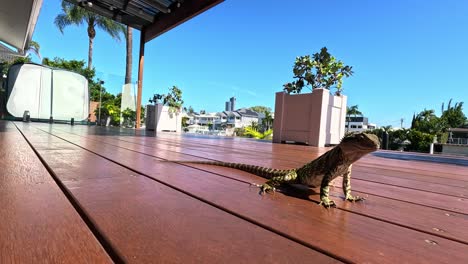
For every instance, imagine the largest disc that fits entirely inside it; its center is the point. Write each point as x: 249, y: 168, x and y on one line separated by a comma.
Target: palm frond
x: 62, y: 21
x: 71, y: 15
x: 111, y: 27
x: 252, y: 132
x: 34, y: 47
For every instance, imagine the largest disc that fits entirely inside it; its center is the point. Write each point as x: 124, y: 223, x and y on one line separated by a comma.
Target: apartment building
x: 234, y: 119
x: 358, y: 124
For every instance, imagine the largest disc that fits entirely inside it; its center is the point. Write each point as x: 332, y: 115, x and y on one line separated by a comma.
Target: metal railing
x: 458, y: 141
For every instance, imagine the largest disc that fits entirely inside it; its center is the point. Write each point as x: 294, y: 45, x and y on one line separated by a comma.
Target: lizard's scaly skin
x: 319, y: 172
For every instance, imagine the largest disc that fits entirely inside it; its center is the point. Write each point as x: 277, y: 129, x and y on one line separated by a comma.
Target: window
x: 353, y: 126
x: 359, y: 126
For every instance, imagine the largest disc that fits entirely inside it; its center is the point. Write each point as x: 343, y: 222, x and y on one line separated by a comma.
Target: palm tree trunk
x: 128, y: 63
x: 90, y: 53
x: 91, y: 36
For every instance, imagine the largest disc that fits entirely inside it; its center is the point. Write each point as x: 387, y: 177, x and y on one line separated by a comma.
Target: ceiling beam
x: 187, y: 10
x: 131, y: 16
x: 159, y: 6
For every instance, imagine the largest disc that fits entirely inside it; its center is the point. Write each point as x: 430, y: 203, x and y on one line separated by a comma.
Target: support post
x: 140, y: 76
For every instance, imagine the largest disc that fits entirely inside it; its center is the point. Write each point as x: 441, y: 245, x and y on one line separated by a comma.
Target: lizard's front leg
x: 325, y: 190
x: 271, y: 184
x: 347, y: 187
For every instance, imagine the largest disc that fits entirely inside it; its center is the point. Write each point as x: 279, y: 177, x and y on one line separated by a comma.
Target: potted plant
x: 167, y: 113
x: 316, y: 118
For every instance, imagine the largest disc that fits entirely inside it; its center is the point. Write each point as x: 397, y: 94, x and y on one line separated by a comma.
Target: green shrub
x: 420, y: 141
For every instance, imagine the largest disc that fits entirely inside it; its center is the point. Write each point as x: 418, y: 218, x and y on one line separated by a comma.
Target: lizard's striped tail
x: 266, y: 173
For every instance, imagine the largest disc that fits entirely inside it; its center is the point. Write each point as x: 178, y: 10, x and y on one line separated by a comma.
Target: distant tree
x: 75, y: 15
x: 419, y: 141
x: 322, y: 70
x: 190, y: 110
x: 267, y: 121
x: 352, y: 111
x: 453, y: 116
x: 254, y: 125
x: 260, y: 109
x: 387, y: 128
x: 35, y: 48
x: 427, y: 122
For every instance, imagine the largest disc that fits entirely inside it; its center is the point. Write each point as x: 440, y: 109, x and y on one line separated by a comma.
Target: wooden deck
x: 87, y: 194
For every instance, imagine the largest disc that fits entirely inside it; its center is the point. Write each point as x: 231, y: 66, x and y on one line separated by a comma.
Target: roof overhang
x: 17, y: 22
x: 153, y: 17
x: 464, y: 130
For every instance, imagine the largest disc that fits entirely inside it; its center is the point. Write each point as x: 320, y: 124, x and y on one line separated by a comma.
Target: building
x: 227, y: 119
x: 230, y: 105
x: 358, y: 124
x: 207, y: 119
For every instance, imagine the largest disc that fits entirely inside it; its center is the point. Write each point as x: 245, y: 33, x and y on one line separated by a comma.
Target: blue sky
x: 406, y: 55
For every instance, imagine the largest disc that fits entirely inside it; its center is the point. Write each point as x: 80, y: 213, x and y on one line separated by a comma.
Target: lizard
x: 319, y: 172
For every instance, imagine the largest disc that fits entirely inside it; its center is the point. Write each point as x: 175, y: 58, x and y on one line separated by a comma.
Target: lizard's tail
x: 267, y: 173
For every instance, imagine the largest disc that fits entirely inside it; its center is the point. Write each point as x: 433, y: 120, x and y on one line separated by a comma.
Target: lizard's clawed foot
x: 354, y: 198
x: 265, y: 188
x: 327, y: 203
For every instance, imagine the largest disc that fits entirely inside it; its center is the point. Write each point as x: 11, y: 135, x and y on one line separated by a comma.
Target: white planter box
x: 159, y: 119
x: 316, y: 119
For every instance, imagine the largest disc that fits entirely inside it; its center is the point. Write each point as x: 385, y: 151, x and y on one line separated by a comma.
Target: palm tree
x: 34, y: 47
x: 267, y: 120
x: 128, y: 62
x: 353, y: 110
x: 75, y: 15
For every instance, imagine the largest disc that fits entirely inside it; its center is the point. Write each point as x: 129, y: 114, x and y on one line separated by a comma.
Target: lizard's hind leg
x: 271, y: 184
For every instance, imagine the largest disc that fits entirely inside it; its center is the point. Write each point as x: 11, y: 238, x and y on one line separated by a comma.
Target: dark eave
x: 154, y: 16
x: 186, y: 11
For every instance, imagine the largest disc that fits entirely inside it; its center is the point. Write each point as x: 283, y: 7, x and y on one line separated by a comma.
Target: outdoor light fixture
x: 85, y: 3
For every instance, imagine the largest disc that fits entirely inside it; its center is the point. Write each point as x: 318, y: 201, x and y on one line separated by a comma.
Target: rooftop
x: 115, y: 193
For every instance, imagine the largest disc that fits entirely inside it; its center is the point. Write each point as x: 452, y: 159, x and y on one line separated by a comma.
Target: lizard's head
x: 360, y: 142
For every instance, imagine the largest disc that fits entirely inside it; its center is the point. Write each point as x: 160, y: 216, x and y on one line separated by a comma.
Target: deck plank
x: 378, y: 241
x: 364, y: 182
x: 146, y: 221
x: 449, y: 224
x: 38, y: 222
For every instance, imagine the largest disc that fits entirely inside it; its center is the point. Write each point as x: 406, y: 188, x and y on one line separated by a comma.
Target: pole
x: 100, y: 102
x: 140, y: 76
